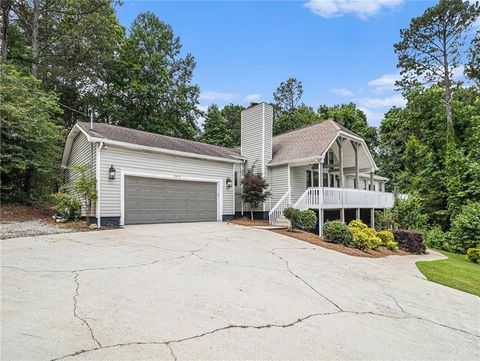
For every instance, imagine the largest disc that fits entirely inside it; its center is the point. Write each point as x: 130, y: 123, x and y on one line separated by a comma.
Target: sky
x: 341, y: 50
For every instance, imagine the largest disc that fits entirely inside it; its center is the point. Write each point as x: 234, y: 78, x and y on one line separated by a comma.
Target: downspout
x: 242, y: 171
x: 98, y: 174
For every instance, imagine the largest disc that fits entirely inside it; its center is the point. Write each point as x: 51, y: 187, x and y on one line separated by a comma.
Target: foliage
x: 363, y: 237
x: 384, y: 220
x: 232, y: 113
x: 392, y: 246
x: 299, y: 117
x: 473, y: 255
x: 353, y: 118
x: 472, y: 69
x: 431, y: 48
x: 436, y: 238
x: 85, y: 187
x: 465, y: 231
x: 303, y: 220
x: 411, y: 241
x: 385, y: 236
x: 67, y: 205
x: 290, y: 212
x: 337, y: 232
x: 216, y: 129
x: 31, y: 143
x: 254, y: 190
x: 455, y: 272
x: 408, y: 213
x: 150, y: 83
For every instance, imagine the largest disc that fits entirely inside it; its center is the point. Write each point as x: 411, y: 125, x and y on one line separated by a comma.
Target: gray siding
x: 238, y: 188
x: 82, y: 152
x: 278, y: 183
x: 298, y: 179
x: 161, y: 164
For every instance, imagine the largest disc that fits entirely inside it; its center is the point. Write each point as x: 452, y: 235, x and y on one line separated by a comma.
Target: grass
x: 455, y: 272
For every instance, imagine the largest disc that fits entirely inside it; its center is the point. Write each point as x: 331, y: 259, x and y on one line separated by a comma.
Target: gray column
x: 320, y: 222
x: 372, y: 218
x: 357, y: 213
x: 342, y: 215
x: 320, y: 174
x: 371, y: 180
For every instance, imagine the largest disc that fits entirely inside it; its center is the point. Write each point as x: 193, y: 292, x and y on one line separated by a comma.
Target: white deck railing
x: 331, y: 198
x: 278, y: 208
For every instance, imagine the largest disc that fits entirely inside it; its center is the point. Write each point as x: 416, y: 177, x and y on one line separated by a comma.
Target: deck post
x: 320, y: 221
x: 371, y: 180
x: 355, y: 146
x: 340, y: 152
x: 342, y: 215
x: 372, y: 218
x: 357, y: 213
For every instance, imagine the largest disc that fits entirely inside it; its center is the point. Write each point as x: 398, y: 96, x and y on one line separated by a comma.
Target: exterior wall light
x: 228, y: 182
x: 111, y: 172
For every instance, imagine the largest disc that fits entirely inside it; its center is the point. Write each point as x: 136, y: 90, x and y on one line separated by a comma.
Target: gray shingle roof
x: 305, y: 143
x: 138, y: 137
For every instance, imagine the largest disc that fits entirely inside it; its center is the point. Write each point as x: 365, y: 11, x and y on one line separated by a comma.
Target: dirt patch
x: 318, y: 241
x: 248, y: 222
x: 13, y: 212
x: 18, y: 220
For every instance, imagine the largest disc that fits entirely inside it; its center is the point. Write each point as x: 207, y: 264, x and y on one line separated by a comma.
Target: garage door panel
x: 152, y: 200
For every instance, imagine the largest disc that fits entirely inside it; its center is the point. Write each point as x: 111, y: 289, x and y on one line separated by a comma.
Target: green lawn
x: 455, y: 272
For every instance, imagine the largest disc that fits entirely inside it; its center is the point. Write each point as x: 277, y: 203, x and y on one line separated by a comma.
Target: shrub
x: 337, y: 232
x: 465, y: 232
x: 67, y: 205
x: 357, y: 224
x: 473, y: 255
x: 408, y: 213
x: 384, y: 220
x: 360, y: 239
x: 411, y: 241
x: 385, y: 236
x: 392, y: 246
x: 306, y: 220
x: 436, y: 238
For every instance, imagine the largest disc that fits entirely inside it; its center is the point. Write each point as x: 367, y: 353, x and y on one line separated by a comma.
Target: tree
x: 254, y: 189
x: 352, y: 118
x: 232, y: 114
x: 299, y: 117
x: 432, y: 47
x: 472, y: 69
x: 31, y: 145
x: 288, y: 95
x: 86, y: 188
x: 5, y: 8
x: 216, y: 130
x: 150, y: 83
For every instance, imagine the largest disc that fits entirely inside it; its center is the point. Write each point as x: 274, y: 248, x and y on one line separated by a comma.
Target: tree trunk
x: 251, y: 213
x: 35, y: 31
x: 89, y: 210
x: 6, y: 7
x: 446, y: 81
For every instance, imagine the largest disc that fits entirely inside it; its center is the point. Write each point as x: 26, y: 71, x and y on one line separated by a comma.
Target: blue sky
x: 341, y: 50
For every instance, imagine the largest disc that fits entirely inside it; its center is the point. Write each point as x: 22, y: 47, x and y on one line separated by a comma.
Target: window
x: 325, y: 179
x: 364, y: 184
x: 235, y: 179
x: 308, y: 182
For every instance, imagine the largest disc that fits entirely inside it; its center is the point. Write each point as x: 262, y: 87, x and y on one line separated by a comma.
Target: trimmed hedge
x: 385, y: 236
x: 473, y: 255
x: 337, y: 232
x: 411, y: 241
x: 304, y: 220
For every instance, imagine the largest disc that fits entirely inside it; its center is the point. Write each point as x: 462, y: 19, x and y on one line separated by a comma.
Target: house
x: 143, y: 177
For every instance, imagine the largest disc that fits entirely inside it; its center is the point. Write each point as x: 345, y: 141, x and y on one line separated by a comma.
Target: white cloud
x: 395, y: 100
x: 385, y: 82
x: 342, y: 91
x: 254, y: 97
x: 373, y: 118
x: 213, y: 95
x: 362, y: 8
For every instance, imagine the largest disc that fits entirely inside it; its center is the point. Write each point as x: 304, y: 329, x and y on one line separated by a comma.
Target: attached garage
x: 156, y: 200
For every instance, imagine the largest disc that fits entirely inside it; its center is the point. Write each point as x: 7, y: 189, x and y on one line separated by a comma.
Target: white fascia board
x: 162, y: 150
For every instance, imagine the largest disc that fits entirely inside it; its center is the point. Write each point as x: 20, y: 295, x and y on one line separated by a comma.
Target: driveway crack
x: 75, y: 314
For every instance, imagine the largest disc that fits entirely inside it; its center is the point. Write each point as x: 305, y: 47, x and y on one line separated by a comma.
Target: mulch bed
x: 318, y: 241
x: 248, y: 222
x: 15, y: 212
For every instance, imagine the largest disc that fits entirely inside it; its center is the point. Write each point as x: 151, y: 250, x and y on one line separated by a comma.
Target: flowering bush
x: 385, y: 236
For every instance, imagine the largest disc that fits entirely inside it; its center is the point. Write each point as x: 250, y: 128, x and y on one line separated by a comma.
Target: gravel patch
x: 28, y: 228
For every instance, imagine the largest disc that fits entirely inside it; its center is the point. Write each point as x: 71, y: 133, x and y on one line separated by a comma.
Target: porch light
x: 228, y: 182
x: 111, y: 172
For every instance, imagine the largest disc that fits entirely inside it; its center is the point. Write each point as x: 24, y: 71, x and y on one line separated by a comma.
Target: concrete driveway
x: 221, y: 291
